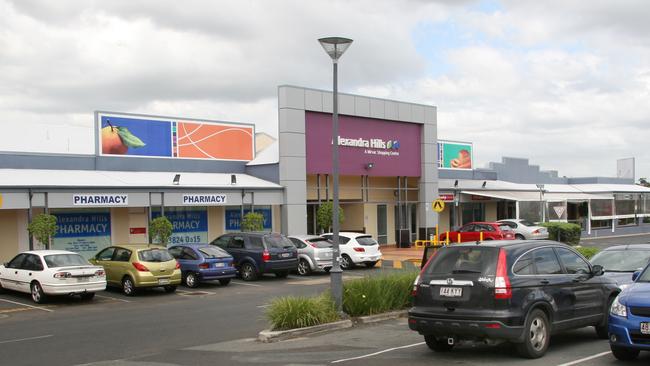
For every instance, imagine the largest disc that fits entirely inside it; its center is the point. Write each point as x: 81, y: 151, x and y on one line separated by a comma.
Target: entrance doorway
x: 382, y: 225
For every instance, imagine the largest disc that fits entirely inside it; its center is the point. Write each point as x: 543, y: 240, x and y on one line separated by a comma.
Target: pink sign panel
x: 367, y: 146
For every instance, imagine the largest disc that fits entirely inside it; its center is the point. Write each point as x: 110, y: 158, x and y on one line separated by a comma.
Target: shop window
x: 626, y: 222
x: 530, y: 210
x: 601, y: 224
x: 602, y: 208
x: 472, y: 211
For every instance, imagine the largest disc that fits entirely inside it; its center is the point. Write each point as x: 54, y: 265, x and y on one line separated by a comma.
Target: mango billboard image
x: 118, y: 140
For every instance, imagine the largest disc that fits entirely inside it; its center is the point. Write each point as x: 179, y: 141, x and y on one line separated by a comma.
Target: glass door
x: 382, y: 225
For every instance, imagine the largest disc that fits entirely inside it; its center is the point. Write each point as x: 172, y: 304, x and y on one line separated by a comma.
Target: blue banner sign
x: 85, y: 233
x: 189, y: 226
x: 233, y: 218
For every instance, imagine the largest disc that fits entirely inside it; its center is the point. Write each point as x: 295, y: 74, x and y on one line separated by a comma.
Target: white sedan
x: 356, y: 248
x: 52, y: 272
x: 525, y: 229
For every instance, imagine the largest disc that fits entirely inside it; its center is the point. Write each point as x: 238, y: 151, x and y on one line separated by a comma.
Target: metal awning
x: 575, y: 196
x: 535, y: 196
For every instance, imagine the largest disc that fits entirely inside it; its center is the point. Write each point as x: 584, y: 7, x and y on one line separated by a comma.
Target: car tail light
x: 204, y: 265
x: 416, y: 283
x: 536, y: 231
x: 266, y: 256
x: 493, y: 325
x: 502, y: 289
x: 62, y: 275
x: 140, y: 267
x: 360, y: 250
x: 100, y: 273
x: 178, y: 265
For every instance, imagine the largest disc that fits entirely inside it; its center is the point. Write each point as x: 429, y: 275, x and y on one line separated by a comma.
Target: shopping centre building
x: 204, y: 175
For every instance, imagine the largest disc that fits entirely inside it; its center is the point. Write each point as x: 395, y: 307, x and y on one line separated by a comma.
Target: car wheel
x: 248, y: 272
x: 536, y: 337
x: 346, y: 262
x: 438, y: 345
x: 128, y: 287
x: 170, y: 289
x: 624, y: 354
x: 371, y: 264
x: 520, y: 237
x: 87, y: 296
x: 224, y: 281
x: 282, y: 274
x: 327, y: 269
x: 304, y: 269
x: 602, y: 329
x: 38, y: 296
x: 191, y: 280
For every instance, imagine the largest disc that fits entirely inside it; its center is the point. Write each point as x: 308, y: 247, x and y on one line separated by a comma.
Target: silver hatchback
x: 314, y: 253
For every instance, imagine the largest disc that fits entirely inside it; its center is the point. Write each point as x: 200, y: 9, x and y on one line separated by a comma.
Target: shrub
x: 563, y: 232
x: 43, y: 227
x: 324, y: 215
x: 588, y: 252
x: 160, y: 230
x: 374, y: 295
x: 298, y: 312
x: 252, y: 221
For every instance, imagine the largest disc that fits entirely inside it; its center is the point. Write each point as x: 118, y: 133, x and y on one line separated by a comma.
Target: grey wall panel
x: 292, y: 120
x: 292, y: 144
x: 268, y: 172
x: 14, y: 200
x: 268, y: 197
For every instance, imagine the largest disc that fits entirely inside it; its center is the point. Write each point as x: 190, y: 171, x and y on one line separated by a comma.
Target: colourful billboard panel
x: 161, y: 137
x: 455, y: 155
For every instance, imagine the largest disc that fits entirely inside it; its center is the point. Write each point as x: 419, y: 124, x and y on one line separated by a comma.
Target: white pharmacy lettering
x: 100, y: 199
x: 70, y: 229
x: 204, y: 199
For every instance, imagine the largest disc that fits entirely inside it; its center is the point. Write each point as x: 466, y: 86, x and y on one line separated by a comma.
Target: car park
x: 508, y: 291
x: 44, y: 273
x: 136, y: 266
x: 525, y: 229
x: 202, y: 263
x: 357, y: 249
x: 629, y: 319
x: 257, y: 253
x: 621, y: 261
x: 314, y: 253
x: 472, y: 232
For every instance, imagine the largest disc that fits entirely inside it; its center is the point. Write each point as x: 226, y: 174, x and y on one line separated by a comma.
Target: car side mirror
x: 597, y: 270
x: 635, y: 275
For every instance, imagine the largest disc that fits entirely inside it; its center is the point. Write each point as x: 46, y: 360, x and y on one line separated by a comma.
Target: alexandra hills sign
x: 373, y: 146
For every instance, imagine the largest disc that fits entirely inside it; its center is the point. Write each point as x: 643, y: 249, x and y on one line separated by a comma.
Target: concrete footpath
x: 400, y: 258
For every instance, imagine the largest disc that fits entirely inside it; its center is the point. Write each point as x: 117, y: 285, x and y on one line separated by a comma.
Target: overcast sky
x: 564, y: 83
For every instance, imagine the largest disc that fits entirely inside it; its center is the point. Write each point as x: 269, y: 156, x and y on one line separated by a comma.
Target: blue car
x: 202, y: 262
x: 629, y: 318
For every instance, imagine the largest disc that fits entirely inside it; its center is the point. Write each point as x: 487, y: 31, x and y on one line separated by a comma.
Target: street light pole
x: 335, y: 47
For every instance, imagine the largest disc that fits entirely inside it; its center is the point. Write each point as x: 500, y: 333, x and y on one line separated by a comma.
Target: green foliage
x: 160, y: 230
x: 297, y: 312
x: 324, y: 216
x: 588, y: 252
x: 252, y: 221
x: 43, y: 227
x: 563, y: 232
x: 374, y: 295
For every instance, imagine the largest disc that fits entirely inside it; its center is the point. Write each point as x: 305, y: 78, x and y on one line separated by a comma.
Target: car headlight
x: 624, y: 286
x: 618, y: 308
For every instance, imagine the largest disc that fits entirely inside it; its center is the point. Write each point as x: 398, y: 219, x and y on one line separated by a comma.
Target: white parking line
x: 245, y: 284
x: 585, y: 359
x: 263, y: 306
x: 29, y: 306
x: 112, y: 298
x: 26, y: 339
x: 378, y: 353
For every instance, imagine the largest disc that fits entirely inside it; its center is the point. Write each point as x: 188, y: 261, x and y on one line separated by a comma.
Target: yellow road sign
x: 438, y: 205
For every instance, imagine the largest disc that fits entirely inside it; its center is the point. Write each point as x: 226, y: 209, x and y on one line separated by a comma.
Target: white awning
x: 575, y: 196
x: 535, y: 196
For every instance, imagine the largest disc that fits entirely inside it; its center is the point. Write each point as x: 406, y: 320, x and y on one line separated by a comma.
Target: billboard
x: 85, y: 233
x: 455, y: 155
x: 625, y: 168
x: 161, y: 137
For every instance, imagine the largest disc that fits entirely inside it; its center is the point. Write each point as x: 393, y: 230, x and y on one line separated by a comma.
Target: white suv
x: 357, y: 248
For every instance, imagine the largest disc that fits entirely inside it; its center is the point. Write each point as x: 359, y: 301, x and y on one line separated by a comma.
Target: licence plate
x: 219, y: 265
x: 327, y: 255
x: 164, y: 281
x: 645, y: 328
x: 285, y: 255
x: 83, y: 279
x: 451, y: 291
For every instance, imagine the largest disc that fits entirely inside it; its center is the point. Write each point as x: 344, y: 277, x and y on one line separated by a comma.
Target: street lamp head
x: 335, y: 46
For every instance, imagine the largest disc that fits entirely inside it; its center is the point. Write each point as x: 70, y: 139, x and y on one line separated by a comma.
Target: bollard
x: 458, y: 237
x: 480, y: 236
x: 447, y: 238
x: 435, y: 242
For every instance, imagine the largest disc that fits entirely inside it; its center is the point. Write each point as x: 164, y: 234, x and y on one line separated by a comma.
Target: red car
x: 472, y: 232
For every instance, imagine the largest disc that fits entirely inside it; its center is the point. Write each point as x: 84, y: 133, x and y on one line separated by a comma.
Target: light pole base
x: 336, y: 284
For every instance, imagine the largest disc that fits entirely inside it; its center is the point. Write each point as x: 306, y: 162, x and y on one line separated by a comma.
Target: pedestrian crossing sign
x: 438, y: 205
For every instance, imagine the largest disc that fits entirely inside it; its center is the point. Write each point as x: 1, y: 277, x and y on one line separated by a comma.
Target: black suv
x: 515, y: 291
x: 257, y: 253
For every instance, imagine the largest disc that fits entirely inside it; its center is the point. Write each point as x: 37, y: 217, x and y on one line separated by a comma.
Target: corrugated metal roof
x: 19, y: 178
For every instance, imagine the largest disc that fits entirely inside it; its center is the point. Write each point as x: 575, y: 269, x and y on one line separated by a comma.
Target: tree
x: 43, y: 227
x: 160, y: 230
x: 252, y: 221
x: 324, y: 216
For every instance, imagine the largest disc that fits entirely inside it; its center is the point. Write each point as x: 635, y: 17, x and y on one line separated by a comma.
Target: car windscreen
x: 213, y: 252
x: 455, y: 260
x: 319, y: 242
x: 154, y: 255
x: 622, y: 260
x: 278, y: 242
x: 65, y: 260
x: 366, y: 240
x: 505, y: 227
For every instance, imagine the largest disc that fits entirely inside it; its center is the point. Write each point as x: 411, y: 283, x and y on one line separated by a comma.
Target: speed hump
x: 438, y: 205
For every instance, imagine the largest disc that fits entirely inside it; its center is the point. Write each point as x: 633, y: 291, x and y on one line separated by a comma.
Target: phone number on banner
x: 185, y: 239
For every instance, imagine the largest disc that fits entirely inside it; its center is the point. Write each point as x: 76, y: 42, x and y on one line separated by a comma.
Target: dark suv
x: 257, y: 253
x: 516, y: 291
